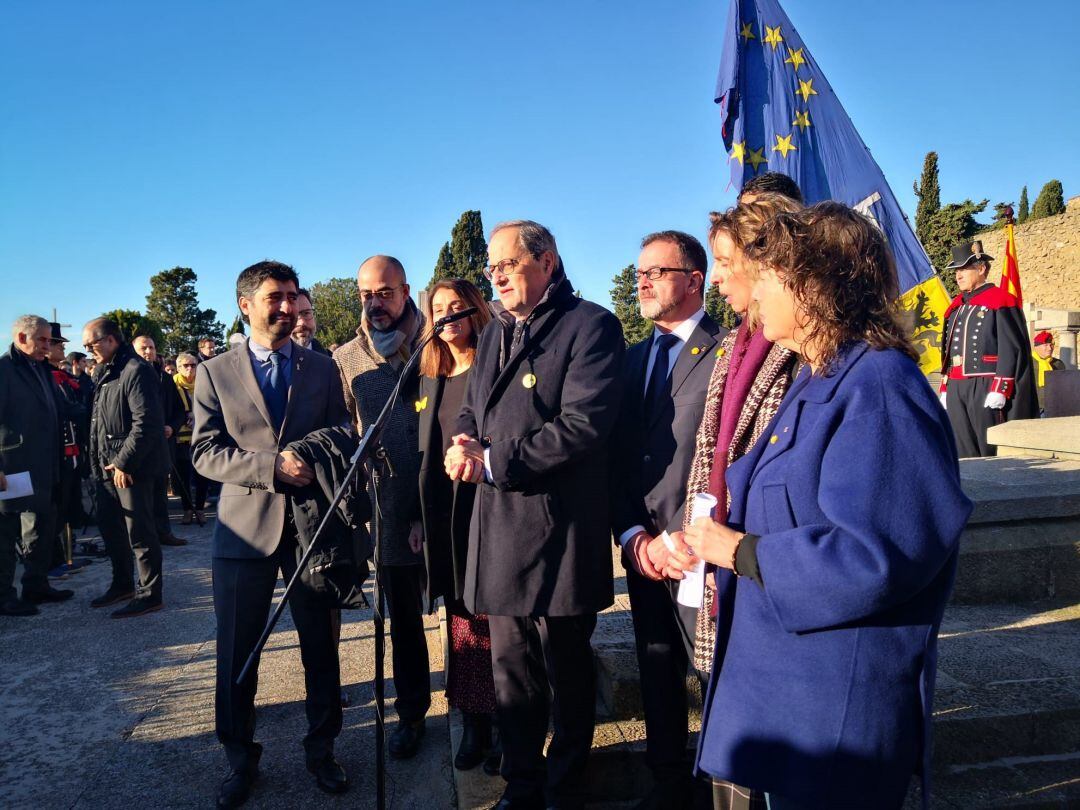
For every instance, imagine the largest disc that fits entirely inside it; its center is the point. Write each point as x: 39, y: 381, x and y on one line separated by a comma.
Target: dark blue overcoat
x: 822, y: 687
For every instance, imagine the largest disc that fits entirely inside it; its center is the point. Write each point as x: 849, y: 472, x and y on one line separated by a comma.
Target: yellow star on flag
x: 795, y: 59
x: 806, y: 89
x: 738, y: 151
x: 757, y: 157
x: 772, y: 36
x: 784, y: 145
x: 802, y: 120
x: 747, y: 32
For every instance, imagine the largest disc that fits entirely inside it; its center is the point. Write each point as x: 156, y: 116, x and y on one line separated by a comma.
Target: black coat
x: 127, y: 424
x: 29, y: 430
x: 539, y: 540
x: 446, y: 538
x: 651, y: 458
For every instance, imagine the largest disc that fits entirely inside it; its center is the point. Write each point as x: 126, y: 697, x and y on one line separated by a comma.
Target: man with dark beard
x: 250, y: 404
x: 370, y: 364
x: 304, y: 332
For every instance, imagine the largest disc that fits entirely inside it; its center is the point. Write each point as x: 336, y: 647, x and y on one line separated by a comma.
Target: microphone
x: 454, y: 316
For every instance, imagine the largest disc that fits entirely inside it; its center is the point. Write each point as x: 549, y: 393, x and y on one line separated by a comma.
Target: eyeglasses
x: 654, y: 273
x: 384, y: 294
x: 188, y: 365
x: 90, y: 346
x: 507, y: 267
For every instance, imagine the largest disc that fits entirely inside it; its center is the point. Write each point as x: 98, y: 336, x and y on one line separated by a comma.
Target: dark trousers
x: 969, y: 417
x: 126, y: 520
x: 403, y: 586
x: 161, y: 506
x: 243, y: 590
x: 540, y: 664
x: 30, y: 534
x: 664, y: 636
x: 189, y: 485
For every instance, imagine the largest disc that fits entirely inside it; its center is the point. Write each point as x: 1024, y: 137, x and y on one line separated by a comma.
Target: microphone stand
x: 369, y: 454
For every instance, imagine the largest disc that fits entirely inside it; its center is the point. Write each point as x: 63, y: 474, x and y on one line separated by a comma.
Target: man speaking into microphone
x: 250, y: 403
x: 538, y: 410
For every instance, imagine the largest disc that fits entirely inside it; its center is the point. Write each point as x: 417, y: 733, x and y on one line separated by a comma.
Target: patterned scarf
x: 766, y: 392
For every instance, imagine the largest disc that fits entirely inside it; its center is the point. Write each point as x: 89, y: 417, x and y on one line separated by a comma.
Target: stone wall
x: 1049, y: 253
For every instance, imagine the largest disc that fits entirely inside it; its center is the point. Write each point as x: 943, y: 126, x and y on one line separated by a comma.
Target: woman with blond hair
x: 843, y: 536
x: 446, y: 508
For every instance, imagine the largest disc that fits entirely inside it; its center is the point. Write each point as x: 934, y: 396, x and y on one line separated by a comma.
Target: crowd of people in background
x: 785, y: 496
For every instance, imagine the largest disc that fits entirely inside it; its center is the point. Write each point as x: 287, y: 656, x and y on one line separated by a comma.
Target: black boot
x: 493, y: 763
x: 475, y: 740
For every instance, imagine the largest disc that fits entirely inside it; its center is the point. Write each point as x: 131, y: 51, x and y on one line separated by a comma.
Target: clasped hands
x: 704, y: 539
x: 464, y: 459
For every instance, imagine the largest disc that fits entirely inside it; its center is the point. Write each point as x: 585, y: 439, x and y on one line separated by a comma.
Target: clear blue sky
x: 139, y: 136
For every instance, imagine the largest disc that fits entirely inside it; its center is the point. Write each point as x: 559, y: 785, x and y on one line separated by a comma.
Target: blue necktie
x: 659, y: 382
x: 276, y: 392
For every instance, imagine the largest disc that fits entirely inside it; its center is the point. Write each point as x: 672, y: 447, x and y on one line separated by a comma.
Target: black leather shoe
x: 138, y: 607
x: 405, y: 739
x: 17, y: 607
x: 475, y: 740
x: 111, y: 597
x: 236, y: 787
x: 46, y: 594
x: 329, y: 775
x: 172, y: 540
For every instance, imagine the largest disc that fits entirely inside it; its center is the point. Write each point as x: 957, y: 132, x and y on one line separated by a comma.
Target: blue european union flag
x: 780, y: 113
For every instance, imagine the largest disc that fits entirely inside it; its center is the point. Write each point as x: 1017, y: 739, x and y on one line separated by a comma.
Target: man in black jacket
x: 172, y: 411
x: 667, y: 376
x: 128, y: 454
x: 534, y: 428
x: 29, y: 443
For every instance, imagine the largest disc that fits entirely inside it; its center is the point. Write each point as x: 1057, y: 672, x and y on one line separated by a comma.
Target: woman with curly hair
x: 842, y: 537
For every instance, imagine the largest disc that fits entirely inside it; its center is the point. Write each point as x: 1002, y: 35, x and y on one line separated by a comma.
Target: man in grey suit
x: 653, y: 446
x: 30, y: 443
x: 249, y: 404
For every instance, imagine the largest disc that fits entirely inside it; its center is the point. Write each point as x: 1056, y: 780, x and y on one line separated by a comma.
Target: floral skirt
x: 470, y: 685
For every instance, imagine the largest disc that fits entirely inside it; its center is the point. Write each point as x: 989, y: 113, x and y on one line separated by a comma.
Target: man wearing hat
x: 986, y: 368
x: 1043, y: 358
x: 72, y: 410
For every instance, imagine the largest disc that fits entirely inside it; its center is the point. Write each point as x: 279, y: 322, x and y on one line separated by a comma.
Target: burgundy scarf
x: 747, y: 357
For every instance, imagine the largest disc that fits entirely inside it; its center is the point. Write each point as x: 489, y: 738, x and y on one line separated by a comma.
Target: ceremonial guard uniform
x: 986, y: 364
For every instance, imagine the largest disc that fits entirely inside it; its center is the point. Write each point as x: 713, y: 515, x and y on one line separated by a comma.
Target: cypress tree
x: 444, y: 265
x: 951, y: 225
x: 625, y: 305
x: 468, y: 251
x: 1022, y: 214
x: 929, y: 193
x: 1051, y: 201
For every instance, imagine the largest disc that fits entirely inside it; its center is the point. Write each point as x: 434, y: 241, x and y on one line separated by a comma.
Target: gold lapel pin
x: 529, y: 380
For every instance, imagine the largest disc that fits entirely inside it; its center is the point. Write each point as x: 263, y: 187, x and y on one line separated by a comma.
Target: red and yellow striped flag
x: 1010, y: 271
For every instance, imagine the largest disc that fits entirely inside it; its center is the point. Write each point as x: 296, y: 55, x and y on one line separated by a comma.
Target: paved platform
x: 103, y: 713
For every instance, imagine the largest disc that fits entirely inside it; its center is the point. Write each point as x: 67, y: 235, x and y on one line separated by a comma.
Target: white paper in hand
x: 692, y: 586
x: 18, y: 486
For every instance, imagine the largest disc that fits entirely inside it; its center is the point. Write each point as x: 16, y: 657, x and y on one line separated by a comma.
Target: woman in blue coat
x: 842, y: 538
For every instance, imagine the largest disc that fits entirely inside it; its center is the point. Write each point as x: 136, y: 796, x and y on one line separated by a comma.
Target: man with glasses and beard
x: 370, y: 364
x: 653, y: 445
x: 304, y: 333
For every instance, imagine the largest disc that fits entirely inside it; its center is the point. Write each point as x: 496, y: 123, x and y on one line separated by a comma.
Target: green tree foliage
x: 625, y: 305
x: 237, y: 327
x: 1024, y: 212
x: 929, y: 193
x: 466, y: 255
x: 174, y: 304
x: 444, y: 265
x: 718, y: 308
x: 1051, y: 201
x: 133, y: 324
x: 337, y: 309
x: 950, y: 226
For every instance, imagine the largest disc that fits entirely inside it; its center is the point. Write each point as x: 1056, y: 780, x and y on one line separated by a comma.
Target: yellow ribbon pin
x: 719, y: 353
x: 420, y: 404
x: 529, y: 380
x: 695, y: 350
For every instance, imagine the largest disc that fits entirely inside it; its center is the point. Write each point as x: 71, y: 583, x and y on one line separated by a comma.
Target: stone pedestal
x: 1038, y: 438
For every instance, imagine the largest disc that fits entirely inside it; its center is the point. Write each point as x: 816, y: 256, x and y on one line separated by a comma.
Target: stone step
x: 1022, y: 542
